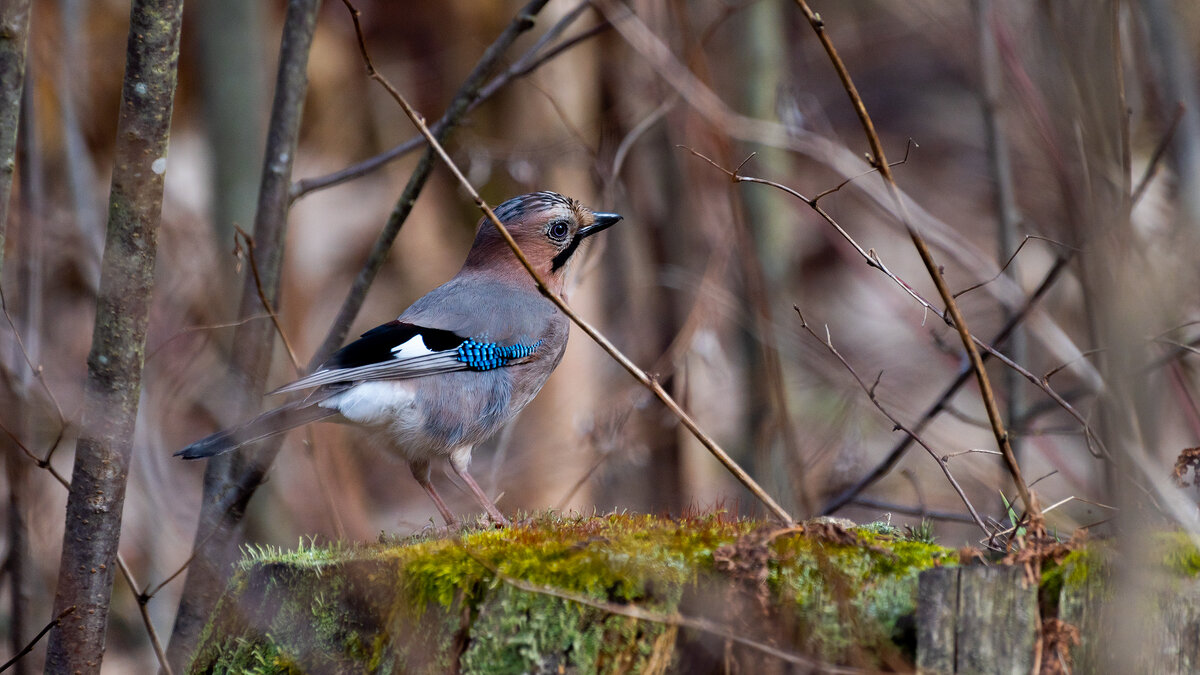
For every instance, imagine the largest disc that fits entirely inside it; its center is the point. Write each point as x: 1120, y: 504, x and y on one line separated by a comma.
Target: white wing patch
x: 412, y: 349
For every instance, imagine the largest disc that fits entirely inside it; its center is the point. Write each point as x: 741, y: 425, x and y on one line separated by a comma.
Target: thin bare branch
x: 892, y: 507
x: 959, y: 322
x: 828, y: 342
x: 1156, y: 157
x: 32, y: 643
x: 244, y: 239
x: 35, y: 369
x: 640, y: 375
x: 526, y: 64
x: 893, y: 457
x: 1062, y: 366
x: 1010, y: 260
x: 971, y: 451
x: 142, y: 599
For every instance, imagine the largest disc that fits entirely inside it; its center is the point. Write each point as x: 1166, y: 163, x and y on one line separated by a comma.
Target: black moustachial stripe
x: 565, y: 254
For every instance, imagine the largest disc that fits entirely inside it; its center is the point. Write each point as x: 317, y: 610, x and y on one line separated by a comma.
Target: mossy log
x: 638, y: 594
x: 612, y: 594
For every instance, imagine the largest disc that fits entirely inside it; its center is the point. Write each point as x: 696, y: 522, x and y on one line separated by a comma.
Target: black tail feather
x: 265, y: 425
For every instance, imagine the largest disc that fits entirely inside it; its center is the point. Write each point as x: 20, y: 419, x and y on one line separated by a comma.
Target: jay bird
x: 459, y: 363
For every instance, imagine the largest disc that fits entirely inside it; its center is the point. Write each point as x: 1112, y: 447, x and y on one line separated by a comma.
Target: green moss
x: 426, y: 604
x: 1176, y: 550
x: 851, y: 598
x: 1180, y: 554
x: 609, y: 558
x: 616, y: 558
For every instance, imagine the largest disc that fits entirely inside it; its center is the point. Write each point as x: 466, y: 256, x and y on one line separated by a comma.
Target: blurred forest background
x: 1075, y: 123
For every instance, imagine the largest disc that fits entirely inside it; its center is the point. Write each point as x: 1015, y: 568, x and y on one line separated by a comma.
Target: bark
x: 14, y: 32
x: 93, y: 521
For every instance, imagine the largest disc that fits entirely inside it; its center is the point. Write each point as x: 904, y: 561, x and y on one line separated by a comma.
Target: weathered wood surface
x: 1168, y: 622
x: 976, y: 620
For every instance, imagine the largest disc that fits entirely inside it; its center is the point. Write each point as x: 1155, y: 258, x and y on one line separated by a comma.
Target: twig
x: 872, y: 259
x: 42, y: 633
x: 244, y: 238
x: 828, y: 342
x: 837, y: 188
x: 142, y: 600
x: 958, y: 321
x: 872, y: 503
x: 880, y: 470
x: 638, y: 374
x: 562, y: 503
x: 458, y: 107
x: 1060, y: 367
x: 623, y: 148
x: 972, y: 451
x: 1008, y: 262
x: 151, y: 353
x: 526, y: 64
x: 36, y: 370
x: 1156, y: 157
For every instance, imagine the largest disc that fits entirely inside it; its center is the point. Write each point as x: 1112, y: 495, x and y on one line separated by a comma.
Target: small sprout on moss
x: 922, y: 533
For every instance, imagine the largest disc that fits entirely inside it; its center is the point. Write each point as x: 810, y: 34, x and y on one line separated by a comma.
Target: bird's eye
x: 558, y: 230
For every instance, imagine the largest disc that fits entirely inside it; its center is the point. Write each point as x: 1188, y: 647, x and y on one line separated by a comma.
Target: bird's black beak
x: 600, y: 222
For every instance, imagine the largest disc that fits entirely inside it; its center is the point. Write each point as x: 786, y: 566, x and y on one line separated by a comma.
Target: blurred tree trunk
x: 93, y: 522
x: 72, y: 84
x: 26, y: 313
x: 230, y: 480
x: 767, y: 242
x: 1129, y: 291
x: 232, y: 95
x: 14, y: 32
x: 1176, y: 64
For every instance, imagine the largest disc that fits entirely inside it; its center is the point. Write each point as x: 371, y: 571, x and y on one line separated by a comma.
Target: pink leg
x: 420, y: 471
x: 459, y: 462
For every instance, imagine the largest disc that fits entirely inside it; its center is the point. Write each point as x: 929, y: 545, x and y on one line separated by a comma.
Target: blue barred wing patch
x: 489, y: 355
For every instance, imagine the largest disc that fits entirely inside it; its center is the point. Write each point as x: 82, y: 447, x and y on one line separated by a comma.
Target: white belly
x: 375, y: 403
x: 389, y: 412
